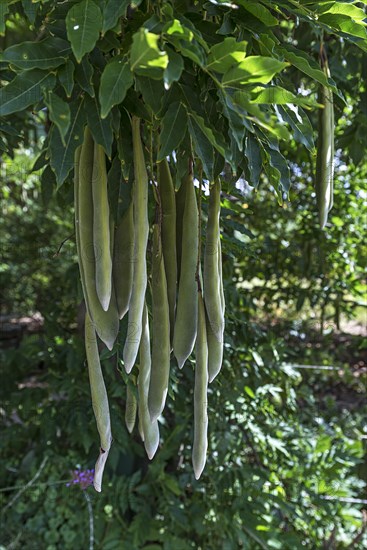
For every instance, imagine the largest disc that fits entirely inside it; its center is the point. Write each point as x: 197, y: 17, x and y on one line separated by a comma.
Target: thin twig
x: 62, y: 244
x: 16, y: 487
x: 91, y: 521
x: 29, y: 484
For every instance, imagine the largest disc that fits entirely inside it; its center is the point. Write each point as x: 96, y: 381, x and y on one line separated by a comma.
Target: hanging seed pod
x: 200, y: 444
x: 168, y: 204
x: 99, y: 400
x: 123, y: 261
x: 141, y: 230
x: 106, y: 323
x: 186, y: 314
x: 101, y: 228
x: 159, y: 377
x: 180, y: 207
x: 212, y: 277
x: 324, y: 179
x: 130, y: 408
x: 149, y: 427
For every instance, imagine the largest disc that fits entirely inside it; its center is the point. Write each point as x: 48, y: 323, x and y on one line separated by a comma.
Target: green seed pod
x: 180, y: 207
x: 215, y: 352
x: 140, y: 425
x: 168, y: 202
x: 220, y: 271
x: 325, y: 152
x: 212, y: 277
x: 149, y: 427
x: 186, y: 314
x: 123, y: 261
x: 99, y: 400
x: 215, y: 346
x: 101, y: 227
x: 200, y: 444
x: 141, y: 229
x: 159, y: 377
x: 130, y: 408
x: 106, y: 323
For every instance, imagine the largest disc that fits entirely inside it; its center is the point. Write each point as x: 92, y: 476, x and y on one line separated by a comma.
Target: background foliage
x: 286, y: 445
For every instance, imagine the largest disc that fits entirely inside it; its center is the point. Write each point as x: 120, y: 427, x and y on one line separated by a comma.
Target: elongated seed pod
x: 186, y: 314
x: 149, y: 427
x: 212, y: 279
x: 106, y: 322
x: 141, y: 225
x: 123, y: 261
x: 130, y: 408
x: 158, y: 386
x: 215, y: 346
x: 325, y: 152
x: 101, y: 227
x: 220, y: 271
x: 99, y: 400
x: 332, y: 124
x: 180, y: 207
x: 168, y: 202
x: 200, y: 444
x: 140, y: 425
x: 215, y: 352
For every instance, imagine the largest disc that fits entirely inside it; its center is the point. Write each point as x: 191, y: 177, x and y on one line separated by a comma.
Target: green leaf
x: 152, y: 92
x: 30, y: 9
x: 345, y: 24
x: 260, y: 12
x: 24, y: 90
x: 306, y: 64
x: 112, y: 12
x: 276, y: 95
x: 253, y: 69
x: 146, y: 58
x: 279, y: 163
x: 172, y: 73
x: 254, y: 158
x: 84, y: 76
x: 191, y: 50
x: 249, y: 392
x: 186, y: 39
x: 174, y: 125
x: 116, y: 79
x: 224, y: 55
x: 83, y: 25
x: 66, y: 77
x: 236, y: 123
x: 135, y: 106
x: 341, y: 8
x: 212, y: 136
x: 175, y: 28
x: 300, y: 124
x: 47, y: 54
x: 59, y: 112
x: 101, y: 128
x: 203, y: 147
x: 62, y: 155
x: 265, y: 120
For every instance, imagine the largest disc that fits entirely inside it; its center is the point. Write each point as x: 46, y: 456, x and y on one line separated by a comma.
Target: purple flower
x: 82, y: 477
